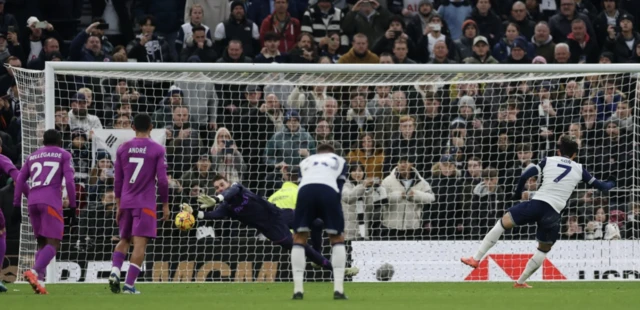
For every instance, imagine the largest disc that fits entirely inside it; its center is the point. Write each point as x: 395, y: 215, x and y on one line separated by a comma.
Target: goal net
x: 434, y: 158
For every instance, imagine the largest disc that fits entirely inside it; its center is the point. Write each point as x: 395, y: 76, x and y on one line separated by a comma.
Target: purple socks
x: 132, y: 275
x: 117, y: 260
x: 43, y: 257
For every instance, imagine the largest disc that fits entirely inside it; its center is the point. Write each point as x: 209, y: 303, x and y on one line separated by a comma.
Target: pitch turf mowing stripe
x: 365, y: 296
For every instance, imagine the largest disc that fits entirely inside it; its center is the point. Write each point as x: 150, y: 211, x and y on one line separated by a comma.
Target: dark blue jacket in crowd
x: 77, y: 51
x: 169, y: 14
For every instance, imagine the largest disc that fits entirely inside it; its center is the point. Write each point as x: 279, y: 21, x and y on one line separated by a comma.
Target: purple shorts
x: 47, y: 221
x: 138, y: 223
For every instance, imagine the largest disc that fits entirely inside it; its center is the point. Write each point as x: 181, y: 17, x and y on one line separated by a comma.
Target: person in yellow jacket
x: 286, y: 197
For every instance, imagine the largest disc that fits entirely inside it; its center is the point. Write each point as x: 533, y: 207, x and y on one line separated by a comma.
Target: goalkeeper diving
x: 237, y: 202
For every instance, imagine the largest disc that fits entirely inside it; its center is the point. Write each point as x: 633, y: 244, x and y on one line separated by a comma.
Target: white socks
x: 298, y: 264
x: 115, y: 270
x: 338, y: 260
x: 534, y: 263
x: 489, y: 240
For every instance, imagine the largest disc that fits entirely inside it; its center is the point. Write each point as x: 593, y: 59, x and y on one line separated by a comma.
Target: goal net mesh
x: 433, y: 157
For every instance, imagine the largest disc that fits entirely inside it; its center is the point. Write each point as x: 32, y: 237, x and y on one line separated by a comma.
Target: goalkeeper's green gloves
x: 208, y: 201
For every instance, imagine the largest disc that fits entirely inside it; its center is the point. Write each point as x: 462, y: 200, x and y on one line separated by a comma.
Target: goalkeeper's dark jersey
x: 243, y: 205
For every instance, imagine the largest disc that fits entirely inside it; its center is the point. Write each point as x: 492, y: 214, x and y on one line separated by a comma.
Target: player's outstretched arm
x: 209, y: 201
x: 530, y: 172
x: 21, y: 183
x: 600, y: 185
x: 217, y: 214
x: 7, y: 166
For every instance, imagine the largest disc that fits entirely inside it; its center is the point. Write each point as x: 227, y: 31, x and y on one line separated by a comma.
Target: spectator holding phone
x: 395, y: 30
x: 305, y: 50
x: 619, y: 36
x: 36, y: 37
x: 6, y: 20
x: 147, y: 46
x: 102, y: 172
x: 92, y: 48
x: 99, y: 31
x: 435, y: 31
x: 227, y: 159
x: 608, y: 17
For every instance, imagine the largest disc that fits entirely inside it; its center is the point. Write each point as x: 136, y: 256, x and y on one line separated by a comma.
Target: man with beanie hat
x: 623, y: 44
x: 465, y: 43
x: 519, y: 52
x: 289, y: 146
x: 420, y: 20
x: 367, y: 17
x: 238, y: 27
x: 394, y: 31
x: 609, y: 16
x: 487, y: 22
x: 454, y: 13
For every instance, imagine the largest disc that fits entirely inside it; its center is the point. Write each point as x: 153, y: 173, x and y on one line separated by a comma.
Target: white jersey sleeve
x: 327, y: 168
x: 560, y: 176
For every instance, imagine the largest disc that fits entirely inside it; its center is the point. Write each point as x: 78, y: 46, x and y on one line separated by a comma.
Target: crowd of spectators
x: 426, y: 162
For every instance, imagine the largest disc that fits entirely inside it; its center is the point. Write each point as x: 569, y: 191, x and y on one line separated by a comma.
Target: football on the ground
x: 185, y: 221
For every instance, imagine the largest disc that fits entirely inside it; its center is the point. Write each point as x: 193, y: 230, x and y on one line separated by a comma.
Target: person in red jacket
x: 280, y: 22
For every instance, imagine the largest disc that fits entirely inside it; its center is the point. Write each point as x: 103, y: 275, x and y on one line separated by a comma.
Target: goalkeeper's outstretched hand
x: 208, y: 201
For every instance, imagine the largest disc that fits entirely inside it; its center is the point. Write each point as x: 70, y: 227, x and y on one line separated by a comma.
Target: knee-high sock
x: 339, y: 260
x: 40, y: 275
x: 313, y: 255
x: 116, y: 262
x: 317, y: 258
x: 490, y: 240
x: 132, y: 275
x: 3, y: 248
x: 45, y: 256
x: 298, y: 263
x: 532, y: 265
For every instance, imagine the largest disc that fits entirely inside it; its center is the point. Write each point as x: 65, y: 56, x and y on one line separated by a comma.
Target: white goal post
x: 463, y: 133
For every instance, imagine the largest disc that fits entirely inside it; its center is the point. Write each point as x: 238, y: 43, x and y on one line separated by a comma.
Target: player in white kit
x: 319, y: 196
x: 560, y: 175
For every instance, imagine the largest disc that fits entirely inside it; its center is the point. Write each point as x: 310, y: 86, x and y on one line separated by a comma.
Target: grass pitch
x: 388, y: 296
